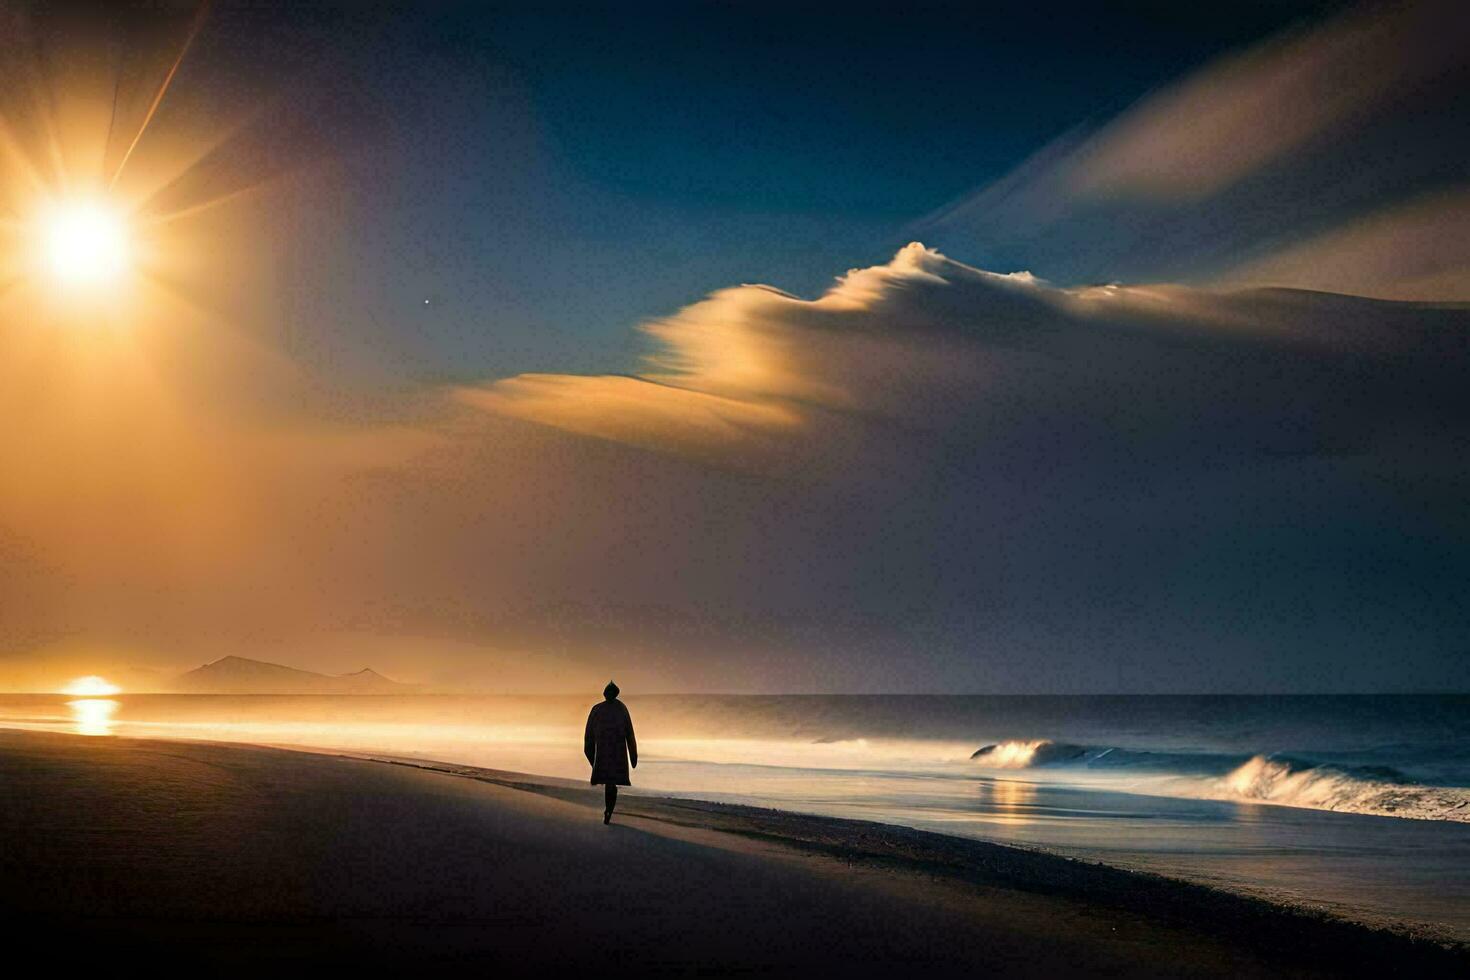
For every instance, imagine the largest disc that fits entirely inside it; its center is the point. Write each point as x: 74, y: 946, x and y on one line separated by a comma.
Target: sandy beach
x: 240, y: 858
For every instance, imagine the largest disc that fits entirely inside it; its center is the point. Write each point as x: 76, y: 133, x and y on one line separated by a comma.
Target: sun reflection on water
x: 1012, y: 801
x: 92, y: 716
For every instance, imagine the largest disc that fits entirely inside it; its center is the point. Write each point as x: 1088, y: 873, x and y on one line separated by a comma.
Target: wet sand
x: 234, y: 859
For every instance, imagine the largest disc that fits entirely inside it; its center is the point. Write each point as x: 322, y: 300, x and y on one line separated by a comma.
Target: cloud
x: 746, y: 374
x: 931, y: 477
x: 1016, y: 479
x: 930, y: 347
x: 1295, y: 139
x: 1249, y: 110
x: 1413, y: 251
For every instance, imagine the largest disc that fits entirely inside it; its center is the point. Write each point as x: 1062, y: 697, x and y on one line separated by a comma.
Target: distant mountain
x: 240, y: 675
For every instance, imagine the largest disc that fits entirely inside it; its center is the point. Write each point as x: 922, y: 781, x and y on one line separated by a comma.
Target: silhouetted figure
x: 609, y: 745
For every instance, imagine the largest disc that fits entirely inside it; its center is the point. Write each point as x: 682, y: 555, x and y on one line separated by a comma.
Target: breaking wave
x: 1291, y: 782
x: 1276, y: 779
x: 1024, y: 755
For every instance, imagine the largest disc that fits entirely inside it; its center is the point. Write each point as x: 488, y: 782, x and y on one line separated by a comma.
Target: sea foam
x: 1263, y: 778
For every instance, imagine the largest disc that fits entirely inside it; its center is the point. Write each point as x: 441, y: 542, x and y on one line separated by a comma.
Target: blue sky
x: 547, y: 179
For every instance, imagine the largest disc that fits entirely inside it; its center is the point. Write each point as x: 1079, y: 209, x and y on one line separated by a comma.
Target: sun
x: 91, y: 686
x: 84, y: 242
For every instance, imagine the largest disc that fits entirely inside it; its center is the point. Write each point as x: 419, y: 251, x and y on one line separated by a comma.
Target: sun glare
x: 92, y: 716
x: 84, y: 243
x: 91, y: 686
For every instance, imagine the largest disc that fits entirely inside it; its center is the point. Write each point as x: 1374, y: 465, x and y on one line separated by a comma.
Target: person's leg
x: 611, y: 796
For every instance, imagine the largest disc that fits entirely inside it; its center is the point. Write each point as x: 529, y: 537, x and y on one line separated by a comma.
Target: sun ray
x: 43, y: 105
x: 12, y: 149
x: 207, y: 151
x: 162, y: 91
x: 219, y: 200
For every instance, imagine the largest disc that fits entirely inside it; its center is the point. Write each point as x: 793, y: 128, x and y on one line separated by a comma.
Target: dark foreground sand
x: 124, y: 854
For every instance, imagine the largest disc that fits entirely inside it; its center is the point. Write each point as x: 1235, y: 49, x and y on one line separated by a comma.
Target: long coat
x: 609, y: 743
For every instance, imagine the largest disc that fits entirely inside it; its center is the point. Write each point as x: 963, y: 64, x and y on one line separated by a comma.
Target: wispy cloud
x: 1411, y: 251
x: 1292, y: 140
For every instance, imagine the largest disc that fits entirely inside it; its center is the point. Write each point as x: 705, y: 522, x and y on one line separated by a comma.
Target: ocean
x: 1359, y: 806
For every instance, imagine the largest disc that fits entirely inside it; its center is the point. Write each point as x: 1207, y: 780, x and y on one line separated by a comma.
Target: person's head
x: 611, y: 691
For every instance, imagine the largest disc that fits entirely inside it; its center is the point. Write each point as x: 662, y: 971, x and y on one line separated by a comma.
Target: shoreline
x: 246, y: 857
x: 1232, y: 915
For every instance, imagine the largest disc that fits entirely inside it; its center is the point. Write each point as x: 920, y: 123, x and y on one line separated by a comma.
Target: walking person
x: 610, y: 746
